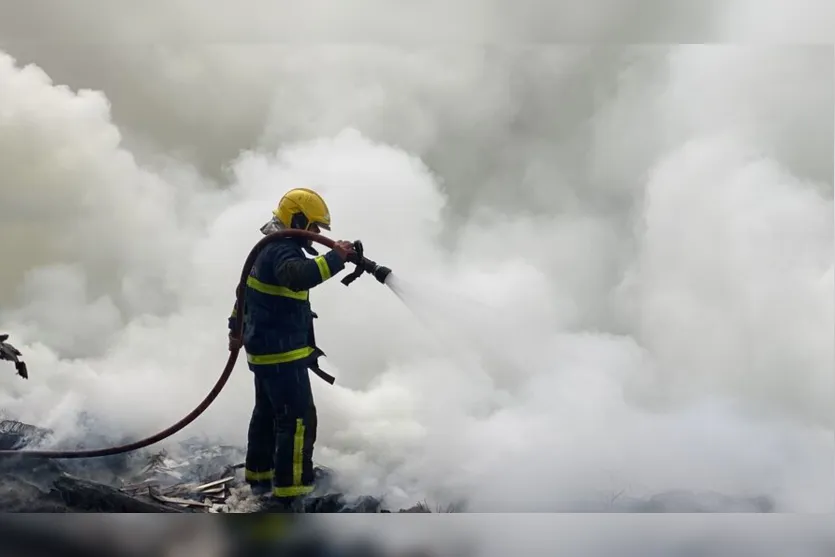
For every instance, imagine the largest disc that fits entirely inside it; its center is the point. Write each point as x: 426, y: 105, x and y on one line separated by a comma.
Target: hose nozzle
x: 381, y: 273
x: 365, y: 265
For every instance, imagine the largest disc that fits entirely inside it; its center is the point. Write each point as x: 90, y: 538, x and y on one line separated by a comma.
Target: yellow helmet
x: 301, y: 207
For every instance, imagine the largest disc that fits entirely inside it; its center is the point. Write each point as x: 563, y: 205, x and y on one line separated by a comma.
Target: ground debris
x: 202, y: 482
x: 418, y: 508
x: 85, y: 496
x: 16, y: 435
x: 210, y: 496
x: 194, y: 477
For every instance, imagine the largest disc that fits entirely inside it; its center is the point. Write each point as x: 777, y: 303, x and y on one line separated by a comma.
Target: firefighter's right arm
x: 300, y: 273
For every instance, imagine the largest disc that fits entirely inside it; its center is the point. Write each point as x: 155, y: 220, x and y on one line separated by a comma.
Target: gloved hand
x: 345, y: 250
x: 234, y: 343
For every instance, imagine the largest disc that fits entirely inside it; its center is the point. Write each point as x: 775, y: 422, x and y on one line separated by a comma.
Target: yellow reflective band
x: 298, y: 456
x: 298, y: 466
x: 324, y: 270
x: 258, y: 476
x: 273, y: 290
x: 294, y: 491
x: 281, y: 358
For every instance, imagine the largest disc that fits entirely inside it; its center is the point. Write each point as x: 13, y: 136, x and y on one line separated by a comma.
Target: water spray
x: 363, y: 265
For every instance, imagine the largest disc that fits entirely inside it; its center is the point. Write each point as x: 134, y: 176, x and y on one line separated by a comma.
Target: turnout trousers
x: 282, y: 431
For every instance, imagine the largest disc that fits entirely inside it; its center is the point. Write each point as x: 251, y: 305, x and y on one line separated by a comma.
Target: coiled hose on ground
x: 362, y: 265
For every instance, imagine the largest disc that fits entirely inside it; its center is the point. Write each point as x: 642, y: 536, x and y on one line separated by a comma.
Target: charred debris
x: 209, y: 480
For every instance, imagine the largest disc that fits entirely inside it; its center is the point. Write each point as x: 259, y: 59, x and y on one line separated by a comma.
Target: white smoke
x: 618, y: 262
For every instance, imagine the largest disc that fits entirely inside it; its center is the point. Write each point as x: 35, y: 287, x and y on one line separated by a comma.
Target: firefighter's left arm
x: 234, y: 342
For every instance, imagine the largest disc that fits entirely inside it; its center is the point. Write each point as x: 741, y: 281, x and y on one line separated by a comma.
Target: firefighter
x: 280, y: 349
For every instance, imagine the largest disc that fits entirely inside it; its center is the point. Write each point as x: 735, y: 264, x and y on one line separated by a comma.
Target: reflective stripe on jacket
x: 278, y: 321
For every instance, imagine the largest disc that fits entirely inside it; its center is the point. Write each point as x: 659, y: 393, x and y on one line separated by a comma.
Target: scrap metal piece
x: 12, y: 354
x: 176, y: 500
x: 212, y: 491
x: 221, y: 484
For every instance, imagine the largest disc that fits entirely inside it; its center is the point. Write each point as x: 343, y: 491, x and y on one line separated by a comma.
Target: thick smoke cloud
x: 617, y: 261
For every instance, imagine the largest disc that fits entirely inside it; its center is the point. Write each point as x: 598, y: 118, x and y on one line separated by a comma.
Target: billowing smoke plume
x: 617, y: 262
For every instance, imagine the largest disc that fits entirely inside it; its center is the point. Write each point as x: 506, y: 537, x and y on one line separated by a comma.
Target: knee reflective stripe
x: 251, y: 476
x: 298, y: 467
x: 274, y: 290
x: 324, y: 270
x: 281, y: 358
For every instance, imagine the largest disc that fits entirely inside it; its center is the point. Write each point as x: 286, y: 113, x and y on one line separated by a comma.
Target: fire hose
x: 363, y: 265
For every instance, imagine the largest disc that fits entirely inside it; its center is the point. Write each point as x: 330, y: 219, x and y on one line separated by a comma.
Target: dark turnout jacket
x: 278, y: 320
